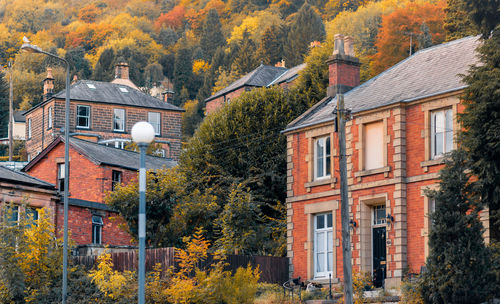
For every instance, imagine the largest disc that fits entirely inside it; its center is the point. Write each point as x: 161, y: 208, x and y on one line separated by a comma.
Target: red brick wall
x: 80, y: 226
x: 416, y: 180
x: 41, y: 136
x: 218, y: 102
x: 101, y: 124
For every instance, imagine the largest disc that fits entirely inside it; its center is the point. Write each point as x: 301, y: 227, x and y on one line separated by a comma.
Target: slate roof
x: 429, y: 72
x: 12, y: 176
x: 289, y: 75
x: 112, y: 93
x: 19, y: 116
x: 111, y: 156
x: 260, y: 77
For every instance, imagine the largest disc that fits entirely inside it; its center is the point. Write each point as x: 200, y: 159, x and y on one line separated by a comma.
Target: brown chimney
x: 167, y: 96
x: 280, y: 64
x: 121, y: 70
x: 343, y: 66
x: 75, y: 79
x: 48, y: 85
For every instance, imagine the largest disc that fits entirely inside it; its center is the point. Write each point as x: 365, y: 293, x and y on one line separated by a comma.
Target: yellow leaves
x: 255, y: 25
x: 112, y: 283
x: 200, y: 66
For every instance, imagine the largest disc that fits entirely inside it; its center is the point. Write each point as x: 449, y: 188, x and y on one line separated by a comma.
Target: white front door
x: 323, y: 245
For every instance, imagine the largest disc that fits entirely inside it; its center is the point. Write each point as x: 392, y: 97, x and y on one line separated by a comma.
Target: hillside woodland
x: 197, y: 47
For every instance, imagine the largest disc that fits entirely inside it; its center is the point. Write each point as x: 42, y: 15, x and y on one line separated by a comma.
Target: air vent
x: 91, y: 86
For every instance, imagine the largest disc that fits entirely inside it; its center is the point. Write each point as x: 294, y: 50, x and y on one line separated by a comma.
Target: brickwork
x: 88, y: 181
x: 101, y: 125
x: 400, y: 185
x: 218, y: 102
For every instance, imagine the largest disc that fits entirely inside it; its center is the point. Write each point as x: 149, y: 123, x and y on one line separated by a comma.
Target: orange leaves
x: 393, y: 39
x: 89, y: 13
x: 173, y: 18
x: 89, y: 36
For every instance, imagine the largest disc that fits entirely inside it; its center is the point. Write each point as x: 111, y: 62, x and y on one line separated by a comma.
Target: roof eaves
x: 292, y: 125
x: 42, y: 154
x: 273, y: 82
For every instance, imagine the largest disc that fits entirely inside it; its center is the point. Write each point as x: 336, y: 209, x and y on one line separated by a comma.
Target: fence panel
x: 273, y: 269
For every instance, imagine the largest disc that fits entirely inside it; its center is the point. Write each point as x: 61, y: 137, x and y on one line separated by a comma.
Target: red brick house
x: 94, y: 171
x: 102, y: 112
x: 19, y: 188
x: 403, y: 122
x: 262, y: 76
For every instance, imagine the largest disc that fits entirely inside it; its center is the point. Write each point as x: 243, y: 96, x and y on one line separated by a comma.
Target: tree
x: 425, y: 37
x: 183, y: 69
x: 153, y: 74
x: 305, y: 28
x: 242, y: 144
x: 245, y: 60
x: 270, y: 50
x: 104, y: 68
x: 402, y: 25
x: 173, y: 18
x: 168, y: 36
x: 457, y: 22
x: 481, y: 123
x: 485, y: 14
x: 77, y: 62
x: 4, y: 104
x: 458, y: 255
x: 137, y: 61
x: 211, y: 34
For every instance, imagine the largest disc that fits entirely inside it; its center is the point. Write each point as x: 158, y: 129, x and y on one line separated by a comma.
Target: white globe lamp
x: 143, y: 133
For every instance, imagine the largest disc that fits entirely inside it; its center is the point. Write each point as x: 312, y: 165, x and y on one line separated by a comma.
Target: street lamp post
x: 143, y: 134
x: 31, y: 48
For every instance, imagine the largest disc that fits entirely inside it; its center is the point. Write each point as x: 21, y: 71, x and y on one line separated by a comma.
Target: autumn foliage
x: 405, y: 23
x: 173, y: 19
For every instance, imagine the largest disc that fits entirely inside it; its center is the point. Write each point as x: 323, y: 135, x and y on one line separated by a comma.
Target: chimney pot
x: 349, y: 46
x: 48, y: 85
x: 339, y: 44
x: 122, y: 70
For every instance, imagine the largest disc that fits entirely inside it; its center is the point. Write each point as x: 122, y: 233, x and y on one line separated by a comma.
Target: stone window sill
x: 321, y: 182
x: 384, y: 170
x: 432, y: 162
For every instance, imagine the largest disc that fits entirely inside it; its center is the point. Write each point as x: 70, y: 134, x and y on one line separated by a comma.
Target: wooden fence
x: 273, y: 269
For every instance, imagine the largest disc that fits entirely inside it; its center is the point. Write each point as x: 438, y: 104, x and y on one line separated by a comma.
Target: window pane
x: 320, y: 237
x: 449, y: 131
x: 330, y: 261
x: 320, y: 262
x: 329, y: 241
x: 319, y: 158
x: 119, y: 120
x: 373, y: 145
x: 320, y: 221
x: 154, y: 120
x: 328, y: 158
x: 329, y: 220
x: 61, y: 171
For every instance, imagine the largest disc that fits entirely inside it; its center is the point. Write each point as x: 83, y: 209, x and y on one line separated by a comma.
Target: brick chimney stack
x: 168, y: 96
x: 343, y: 66
x: 121, y: 70
x: 48, y: 85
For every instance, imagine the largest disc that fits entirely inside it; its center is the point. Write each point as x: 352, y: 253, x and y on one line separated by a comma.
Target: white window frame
x: 78, y: 116
x: 441, y: 132
x: 156, y: 123
x: 322, y: 158
x: 379, y: 222
x: 115, y: 181
x: 29, y: 128
x: 323, y: 235
x: 97, y: 225
x: 60, y: 176
x: 49, y: 119
x: 119, y: 117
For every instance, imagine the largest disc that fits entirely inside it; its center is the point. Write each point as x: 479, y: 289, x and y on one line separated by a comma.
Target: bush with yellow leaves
x: 189, y: 284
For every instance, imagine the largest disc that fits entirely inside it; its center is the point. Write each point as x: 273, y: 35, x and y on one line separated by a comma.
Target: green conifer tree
x: 485, y: 14
x: 77, y: 62
x: 457, y: 22
x: 425, y: 37
x: 104, y: 68
x: 245, y: 61
x: 271, y: 46
x: 306, y: 27
x: 458, y: 266
x: 4, y: 105
x: 183, y: 69
x: 211, y: 34
x: 481, y: 122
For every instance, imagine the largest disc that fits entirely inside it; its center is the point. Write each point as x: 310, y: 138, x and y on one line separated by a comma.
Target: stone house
x: 262, y: 76
x: 403, y: 123
x: 94, y: 171
x: 103, y: 112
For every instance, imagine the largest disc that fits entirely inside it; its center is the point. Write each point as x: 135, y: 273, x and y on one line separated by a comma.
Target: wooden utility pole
x: 342, y: 116
x: 11, y: 114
